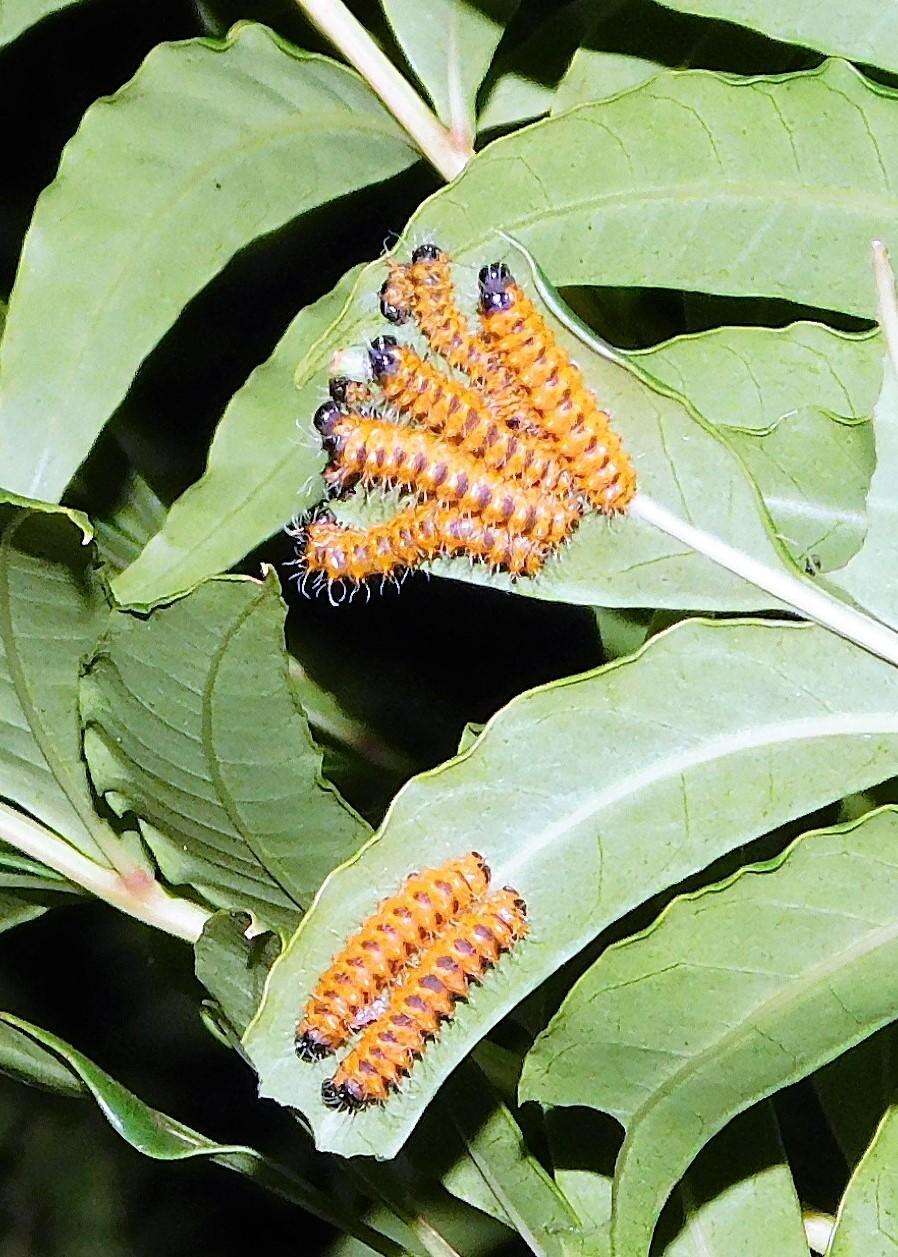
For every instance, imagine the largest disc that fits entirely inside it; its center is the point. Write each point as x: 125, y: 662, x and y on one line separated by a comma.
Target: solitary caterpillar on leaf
x: 460, y: 955
x: 568, y: 411
x: 363, y: 969
x: 377, y: 451
x: 415, y: 535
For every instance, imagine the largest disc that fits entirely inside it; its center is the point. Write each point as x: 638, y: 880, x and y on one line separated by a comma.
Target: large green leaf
x: 857, y: 1088
x: 17, y: 16
x: 871, y: 577
x: 37, y: 1056
x: 51, y: 611
x: 692, y: 181
x: 865, y: 30
x: 737, y: 1197
x: 793, y: 402
x: 814, y: 473
x: 450, y: 44
x: 233, y: 967
x: 734, y: 992
x: 210, y: 146
x: 589, y: 796
x: 192, y: 722
x: 753, y: 377
x: 531, y: 1200
x: 260, y: 471
x: 868, y: 1215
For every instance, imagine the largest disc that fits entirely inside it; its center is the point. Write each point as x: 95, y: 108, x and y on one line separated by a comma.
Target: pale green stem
x: 886, y: 299
x: 797, y: 594
x: 349, y: 37
x: 138, y: 893
x: 818, y: 1229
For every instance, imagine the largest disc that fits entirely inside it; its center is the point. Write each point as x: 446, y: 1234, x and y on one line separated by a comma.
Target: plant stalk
x: 138, y: 893
x: 446, y: 153
x: 797, y: 594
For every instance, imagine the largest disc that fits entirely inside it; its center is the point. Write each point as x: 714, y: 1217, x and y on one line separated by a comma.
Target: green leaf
x: 210, y: 146
x: 865, y: 30
x: 192, y: 722
x: 24, y: 1059
x: 868, y: 1215
x: 449, y: 44
x: 618, y: 784
x: 753, y: 377
x: 735, y: 991
x: 258, y: 473
x: 871, y: 577
x: 791, y: 402
x: 630, y: 41
x: 661, y: 186
x: 524, y: 81
x: 17, y: 16
x: 232, y: 967
x: 533, y: 1203
x: 51, y: 610
x: 856, y: 1089
x: 46, y: 1059
x: 738, y: 1196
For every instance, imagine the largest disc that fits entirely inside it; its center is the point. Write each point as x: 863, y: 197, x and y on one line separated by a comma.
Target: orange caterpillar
x: 418, y: 533
x: 373, y: 957
x: 377, y: 451
x: 389, y: 1046
x: 424, y: 289
x: 422, y: 392
x: 568, y: 410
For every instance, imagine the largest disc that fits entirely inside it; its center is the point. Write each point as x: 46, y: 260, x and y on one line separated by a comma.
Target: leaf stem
x: 797, y: 594
x: 818, y: 1229
x: 446, y: 153
x: 138, y: 894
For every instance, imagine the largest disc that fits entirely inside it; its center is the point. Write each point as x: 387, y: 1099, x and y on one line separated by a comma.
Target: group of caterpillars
x: 503, y: 452
x: 399, y: 978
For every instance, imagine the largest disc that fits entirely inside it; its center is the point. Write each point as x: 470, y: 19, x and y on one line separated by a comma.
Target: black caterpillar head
x: 339, y: 387
x: 392, y: 312
x: 383, y: 356
x: 494, y: 282
x: 325, y: 420
x: 344, y: 1098
x: 427, y: 253
x: 307, y: 1046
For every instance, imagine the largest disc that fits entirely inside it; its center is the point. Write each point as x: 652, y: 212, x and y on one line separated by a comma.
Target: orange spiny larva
x: 377, y: 451
x: 419, y: 390
x: 568, y: 410
x: 362, y: 970
x: 389, y: 1046
x: 424, y: 289
x: 334, y: 552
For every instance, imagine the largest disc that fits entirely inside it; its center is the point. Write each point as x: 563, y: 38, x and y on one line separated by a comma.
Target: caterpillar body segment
x: 389, y: 1046
x: 419, y: 390
x: 363, y: 969
x: 568, y: 411
x: 416, y: 535
x: 379, y: 452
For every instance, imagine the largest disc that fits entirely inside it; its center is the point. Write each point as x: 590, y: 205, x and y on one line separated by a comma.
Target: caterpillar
x: 425, y: 289
x: 567, y: 409
x: 415, y: 535
x: 378, y: 451
x: 363, y: 969
x: 349, y: 394
x: 389, y: 1046
x: 451, y: 409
